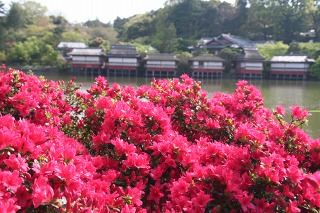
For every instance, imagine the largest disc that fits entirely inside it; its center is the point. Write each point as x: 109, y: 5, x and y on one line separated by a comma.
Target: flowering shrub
x: 160, y: 148
x: 36, y: 99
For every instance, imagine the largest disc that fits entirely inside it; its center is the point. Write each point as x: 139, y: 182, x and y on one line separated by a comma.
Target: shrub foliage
x: 166, y: 147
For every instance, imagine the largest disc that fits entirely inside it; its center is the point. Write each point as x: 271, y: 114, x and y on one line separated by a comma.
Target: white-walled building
x: 65, y: 47
x: 87, y: 58
x: 249, y: 64
x: 207, y: 65
x: 161, y: 64
x: 290, y: 66
x: 122, y: 60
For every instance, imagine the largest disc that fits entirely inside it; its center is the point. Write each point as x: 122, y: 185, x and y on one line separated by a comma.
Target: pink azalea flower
x: 299, y: 113
x: 10, y: 180
x: 9, y: 206
x: 156, y: 193
x: 293, y: 207
x: 242, y: 83
x: 17, y: 163
x: 160, y: 148
x: 245, y: 200
x: 201, y: 200
x: 42, y: 191
x: 137, y: 160
x: 128, y: 209
x: 281, y: 110
x: 314, y: 180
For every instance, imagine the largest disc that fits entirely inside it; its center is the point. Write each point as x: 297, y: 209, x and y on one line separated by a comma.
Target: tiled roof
x: 71, y: 45
x: 291, y: 58
x: 87, y: 51
x: 161, y: 57
x: 240, y: 41
x: 225, y: 40
x: 123, y: 51
x: 250, y: 55
x: 205, y: 40
x: 207, y: 57
x: 215, y: 43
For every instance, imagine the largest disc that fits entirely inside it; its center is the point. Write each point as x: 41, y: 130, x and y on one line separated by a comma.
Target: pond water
x: 275, y: 92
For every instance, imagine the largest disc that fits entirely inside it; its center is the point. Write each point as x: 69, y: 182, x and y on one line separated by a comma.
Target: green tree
x: 50, y: 55
x: 107, y: 33
x: 141, y: 48
x: 3, y: 31
x: 315, y: 69
x: 241, y: 15
x: 35, y: 30
x: 35, y: 13
x: 184, y: 17
x: 73, y: 36
x: 268, y: 50
x: 230, y: 53
x: 60, y: 25
x: 33, y: 51
x: 106, y: 46
x: 96, y: 23
x: 101, y: 43
x: 173, y: 2
x: 289, y: 18
x: 2, y: 57
x: 2, y: 9
x: 227, y: 13
x: 96, y: 42
x: 310, y: 49
x: 259, y: 23
x: 118, y: 25
x: 18, y: 54
x: 141, y: 27
x: 207, y: 24
x: 58, y: 20
x: 313, y: 12
x: 51, y: 39
x: 184, y: 66
x: 16, y: 16
x: 166, y: 40
x: 3, y: 36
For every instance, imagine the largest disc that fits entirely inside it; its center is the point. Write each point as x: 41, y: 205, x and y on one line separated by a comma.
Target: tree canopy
x: 315, y: 69
x: 2, y: 9
x: 173, y: 28
x: 270, y: 49
x: 277, y: 20
x: 29, y: 37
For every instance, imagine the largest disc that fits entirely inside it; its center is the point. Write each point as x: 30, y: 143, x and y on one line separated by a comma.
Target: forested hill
x: 181, y: 22
x: 29, y: 37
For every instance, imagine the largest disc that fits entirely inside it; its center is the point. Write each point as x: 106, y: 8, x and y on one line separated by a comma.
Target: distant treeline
x: 29, y: 37
x: 181, y: 22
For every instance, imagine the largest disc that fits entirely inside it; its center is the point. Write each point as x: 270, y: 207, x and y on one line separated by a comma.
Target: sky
x: 76, y: 11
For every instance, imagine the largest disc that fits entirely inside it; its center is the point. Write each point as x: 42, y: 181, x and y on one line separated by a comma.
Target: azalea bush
x: 166, y: 147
